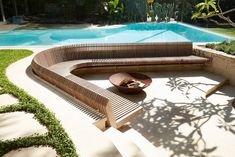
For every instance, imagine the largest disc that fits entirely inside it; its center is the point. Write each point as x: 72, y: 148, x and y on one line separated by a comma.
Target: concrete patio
x: 178, y: 120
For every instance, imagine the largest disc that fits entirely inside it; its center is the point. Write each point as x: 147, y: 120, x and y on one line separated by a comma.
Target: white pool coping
x: 207, y: 31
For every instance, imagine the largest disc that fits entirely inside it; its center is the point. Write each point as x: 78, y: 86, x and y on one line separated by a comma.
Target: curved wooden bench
x: 55, y: 66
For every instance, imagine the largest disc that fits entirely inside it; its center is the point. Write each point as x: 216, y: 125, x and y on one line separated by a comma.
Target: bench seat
x: 59, y: 66
x: 120, y: 106
x: 64, y: 68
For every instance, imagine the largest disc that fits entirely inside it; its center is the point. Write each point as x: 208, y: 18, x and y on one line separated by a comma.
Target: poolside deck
x: 177, y: 118
x: 7, y: 27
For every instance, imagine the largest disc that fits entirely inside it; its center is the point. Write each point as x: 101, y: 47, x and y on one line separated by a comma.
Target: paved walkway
x: 7, y: 27
x: 15, y: 125
x: 89, y: 140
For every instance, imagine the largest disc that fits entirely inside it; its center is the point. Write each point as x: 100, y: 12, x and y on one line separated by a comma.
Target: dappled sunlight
x: 181, y: 127
x: 178, y: 120
x: 177, y: 126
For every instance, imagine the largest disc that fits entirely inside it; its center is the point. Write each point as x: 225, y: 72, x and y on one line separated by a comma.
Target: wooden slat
x: 233, y: 103
x: 216, y: 88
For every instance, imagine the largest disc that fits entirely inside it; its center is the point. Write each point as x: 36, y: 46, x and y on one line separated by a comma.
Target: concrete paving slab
x: 19, y: 124
x: 126, y: 147
x: 7, y: 99
x: 178, y: 120
x: 33, y: 152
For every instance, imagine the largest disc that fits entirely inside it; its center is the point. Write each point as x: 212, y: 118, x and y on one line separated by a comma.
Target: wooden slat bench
x: 57, y: 66
x: 116, y: 108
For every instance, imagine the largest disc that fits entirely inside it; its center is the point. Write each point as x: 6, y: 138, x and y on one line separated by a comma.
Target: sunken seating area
x: 63, y: 66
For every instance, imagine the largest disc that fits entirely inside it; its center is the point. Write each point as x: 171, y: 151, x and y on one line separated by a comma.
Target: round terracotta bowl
x: 118, y: 79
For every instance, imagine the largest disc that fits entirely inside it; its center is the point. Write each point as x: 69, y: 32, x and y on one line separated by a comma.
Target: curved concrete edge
x: 89, y: 140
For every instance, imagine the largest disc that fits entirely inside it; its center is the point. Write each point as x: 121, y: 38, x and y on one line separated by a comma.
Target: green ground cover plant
x: 56, y: 137
x: 227, y: 47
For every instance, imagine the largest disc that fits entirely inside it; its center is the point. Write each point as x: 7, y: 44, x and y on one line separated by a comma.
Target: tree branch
x: 220, y: 10
x: 220, y: 15
x: 219, y: 23
x: 217, y: 14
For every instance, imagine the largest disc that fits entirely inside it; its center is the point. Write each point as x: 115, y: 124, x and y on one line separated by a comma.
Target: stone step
x: 124, y: 145
x: 148, y: 149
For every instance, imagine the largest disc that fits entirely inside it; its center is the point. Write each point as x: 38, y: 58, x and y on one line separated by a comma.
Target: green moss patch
x: 56, y: 137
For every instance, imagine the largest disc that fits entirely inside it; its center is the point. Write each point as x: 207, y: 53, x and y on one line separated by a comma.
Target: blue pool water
x: 132, y: 33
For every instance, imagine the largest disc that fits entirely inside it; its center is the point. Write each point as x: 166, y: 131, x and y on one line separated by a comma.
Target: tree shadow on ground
x: 177, y: 126
x: 185, y: 86
x: 161, y: 125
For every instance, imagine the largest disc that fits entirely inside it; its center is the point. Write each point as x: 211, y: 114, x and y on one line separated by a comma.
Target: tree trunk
x: 15, y: 6
x: 2, y: 11
x: 26, y: 7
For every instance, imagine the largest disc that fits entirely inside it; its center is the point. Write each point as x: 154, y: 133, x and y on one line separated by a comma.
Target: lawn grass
x: 225, y: 31
x: 56, y: 137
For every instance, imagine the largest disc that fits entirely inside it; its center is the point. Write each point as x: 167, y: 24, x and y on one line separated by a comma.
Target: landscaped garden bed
x: 221, y: 63
x: 56, y: 137
x: 227, y: 47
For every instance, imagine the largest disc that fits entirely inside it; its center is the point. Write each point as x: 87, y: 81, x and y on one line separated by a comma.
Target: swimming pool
x: 131, y: 33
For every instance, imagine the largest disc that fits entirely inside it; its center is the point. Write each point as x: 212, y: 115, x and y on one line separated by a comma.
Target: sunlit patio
x: 178, y: 120
x: 117, y: 78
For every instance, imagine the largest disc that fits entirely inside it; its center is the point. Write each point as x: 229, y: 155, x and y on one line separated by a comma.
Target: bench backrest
x: 95, y: 51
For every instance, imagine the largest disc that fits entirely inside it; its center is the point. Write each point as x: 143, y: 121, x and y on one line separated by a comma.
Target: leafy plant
x: 115, y: 9
x: 227, y: 47
x: 209, y: 9
x: 151, y: 10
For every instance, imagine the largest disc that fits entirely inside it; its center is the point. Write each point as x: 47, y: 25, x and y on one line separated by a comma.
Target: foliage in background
x: 135, y: 10
x: 115, y: 10
x: 227, y: 47
x: 184, y: 10
x: 151, y: 11
x: 211, y: 8
x: 164, y: 11
x: 75, y: 11
x: 208, y: 7
x: 56, y: 137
